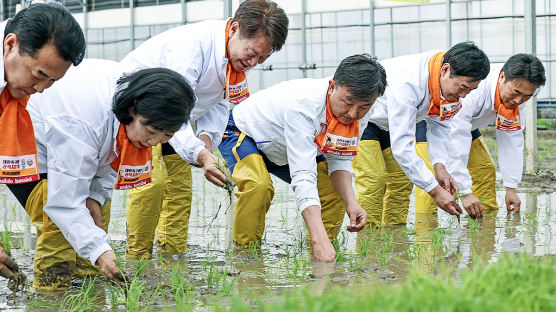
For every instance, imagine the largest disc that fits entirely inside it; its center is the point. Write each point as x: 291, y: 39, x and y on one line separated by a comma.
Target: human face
x: 142, y: 136
x: 516, y: 91
x: 344, y: 106
x: 246, y: 53
x: 26, y: 75
x: 455, y: 87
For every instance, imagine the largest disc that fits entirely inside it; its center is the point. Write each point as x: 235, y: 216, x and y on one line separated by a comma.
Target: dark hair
x: 525, y: 66
x: 41, y: 24
x: 159, y: 95
x: 466, y: 59
x: 264, y: 16
x: 363, y: 75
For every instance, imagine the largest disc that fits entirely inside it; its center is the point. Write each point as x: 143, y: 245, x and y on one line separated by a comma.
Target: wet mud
x: 213, y: 269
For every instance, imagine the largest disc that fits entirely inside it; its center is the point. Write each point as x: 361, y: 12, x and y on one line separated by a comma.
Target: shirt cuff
x: 196, y: 153
x: 511, y: 185
x: 337, y: 164
x: 306, y: 203
x: 98, y: 252
x: 431, y: 186
x: 98, y: 197
x: 438, y: 161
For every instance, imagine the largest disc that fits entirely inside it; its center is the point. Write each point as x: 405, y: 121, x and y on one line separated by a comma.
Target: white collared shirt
x: 284, y: 120
x: 404, y: 103
x: 478, y: 112
x: 75, y: 132
x: 197, y: 52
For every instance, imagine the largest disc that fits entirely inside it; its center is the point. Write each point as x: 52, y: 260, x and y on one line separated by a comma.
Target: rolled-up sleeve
x: 302, y: 153
x: 72, y: 163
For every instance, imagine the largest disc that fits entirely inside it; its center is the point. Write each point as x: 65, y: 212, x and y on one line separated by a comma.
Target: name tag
x: 505, y: 124
x: 448, y: 110
x: 338, y: 145
x: 133, y: 176
x: 18, y: 169
x: 238, y: 92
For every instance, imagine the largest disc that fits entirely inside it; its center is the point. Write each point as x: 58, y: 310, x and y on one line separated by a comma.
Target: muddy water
x: 213, y: 269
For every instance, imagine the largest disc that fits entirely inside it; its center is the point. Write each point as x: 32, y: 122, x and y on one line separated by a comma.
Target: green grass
x: 517, y: 282
x: 544, y: 122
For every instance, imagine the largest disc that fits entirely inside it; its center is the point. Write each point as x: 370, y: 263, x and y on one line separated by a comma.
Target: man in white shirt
x: 498, y: 100
x: 213, y: 56
x: 39, y: 44
x: 305, y: 132
x: 425, y: 86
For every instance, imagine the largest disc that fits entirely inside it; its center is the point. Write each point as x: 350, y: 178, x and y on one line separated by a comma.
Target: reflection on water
x: 283, y: 262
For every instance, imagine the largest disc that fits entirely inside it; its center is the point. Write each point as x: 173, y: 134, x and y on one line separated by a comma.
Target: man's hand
x: 210, y: 164
x: 107, y: 264
x: 513, y: 203
x: 322, y: 248
x: 94, y: 209
x: 357, y: 217
x: 472, y: 205
x: 8, y: 267
x: 444, y: 178
x: 445, y: 200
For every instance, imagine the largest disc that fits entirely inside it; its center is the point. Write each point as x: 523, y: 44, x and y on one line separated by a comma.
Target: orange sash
x: 506, y: 119
x: 133, y: 165
x: 439, y: 107
x: 338, y: 139
x: 236, y: 82
x: 18, y: 149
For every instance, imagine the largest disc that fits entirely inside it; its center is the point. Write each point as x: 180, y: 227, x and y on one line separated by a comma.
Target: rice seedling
x: 486, y: 288
x: 182, y: 289
x: 84, y: 299
x: 255, y: 250
x: 363, y: 247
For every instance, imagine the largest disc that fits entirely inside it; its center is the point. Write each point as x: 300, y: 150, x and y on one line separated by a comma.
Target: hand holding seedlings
x: 210, y: 163
x: 108, y: 267
x: 472, y: 205
x: 445, y: 200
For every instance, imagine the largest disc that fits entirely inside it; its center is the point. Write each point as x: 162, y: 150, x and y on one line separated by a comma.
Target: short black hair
x: 363, y: 75
x: 525, y: 66
x: 44, y: 23
x: 466, y: 59
x: 254, y: 16
x: 159, y: 95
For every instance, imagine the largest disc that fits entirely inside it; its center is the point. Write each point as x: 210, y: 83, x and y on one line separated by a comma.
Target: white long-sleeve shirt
x: 478, y: 112
x: 75, y: 132
x: 197, y: 52
x: 404, y: 103
x: 284, y: 120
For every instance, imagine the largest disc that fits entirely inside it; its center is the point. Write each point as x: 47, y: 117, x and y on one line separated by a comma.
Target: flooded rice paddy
x: 213, y: 273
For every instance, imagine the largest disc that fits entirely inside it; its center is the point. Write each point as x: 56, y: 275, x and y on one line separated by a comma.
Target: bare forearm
x: 341, y: 180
